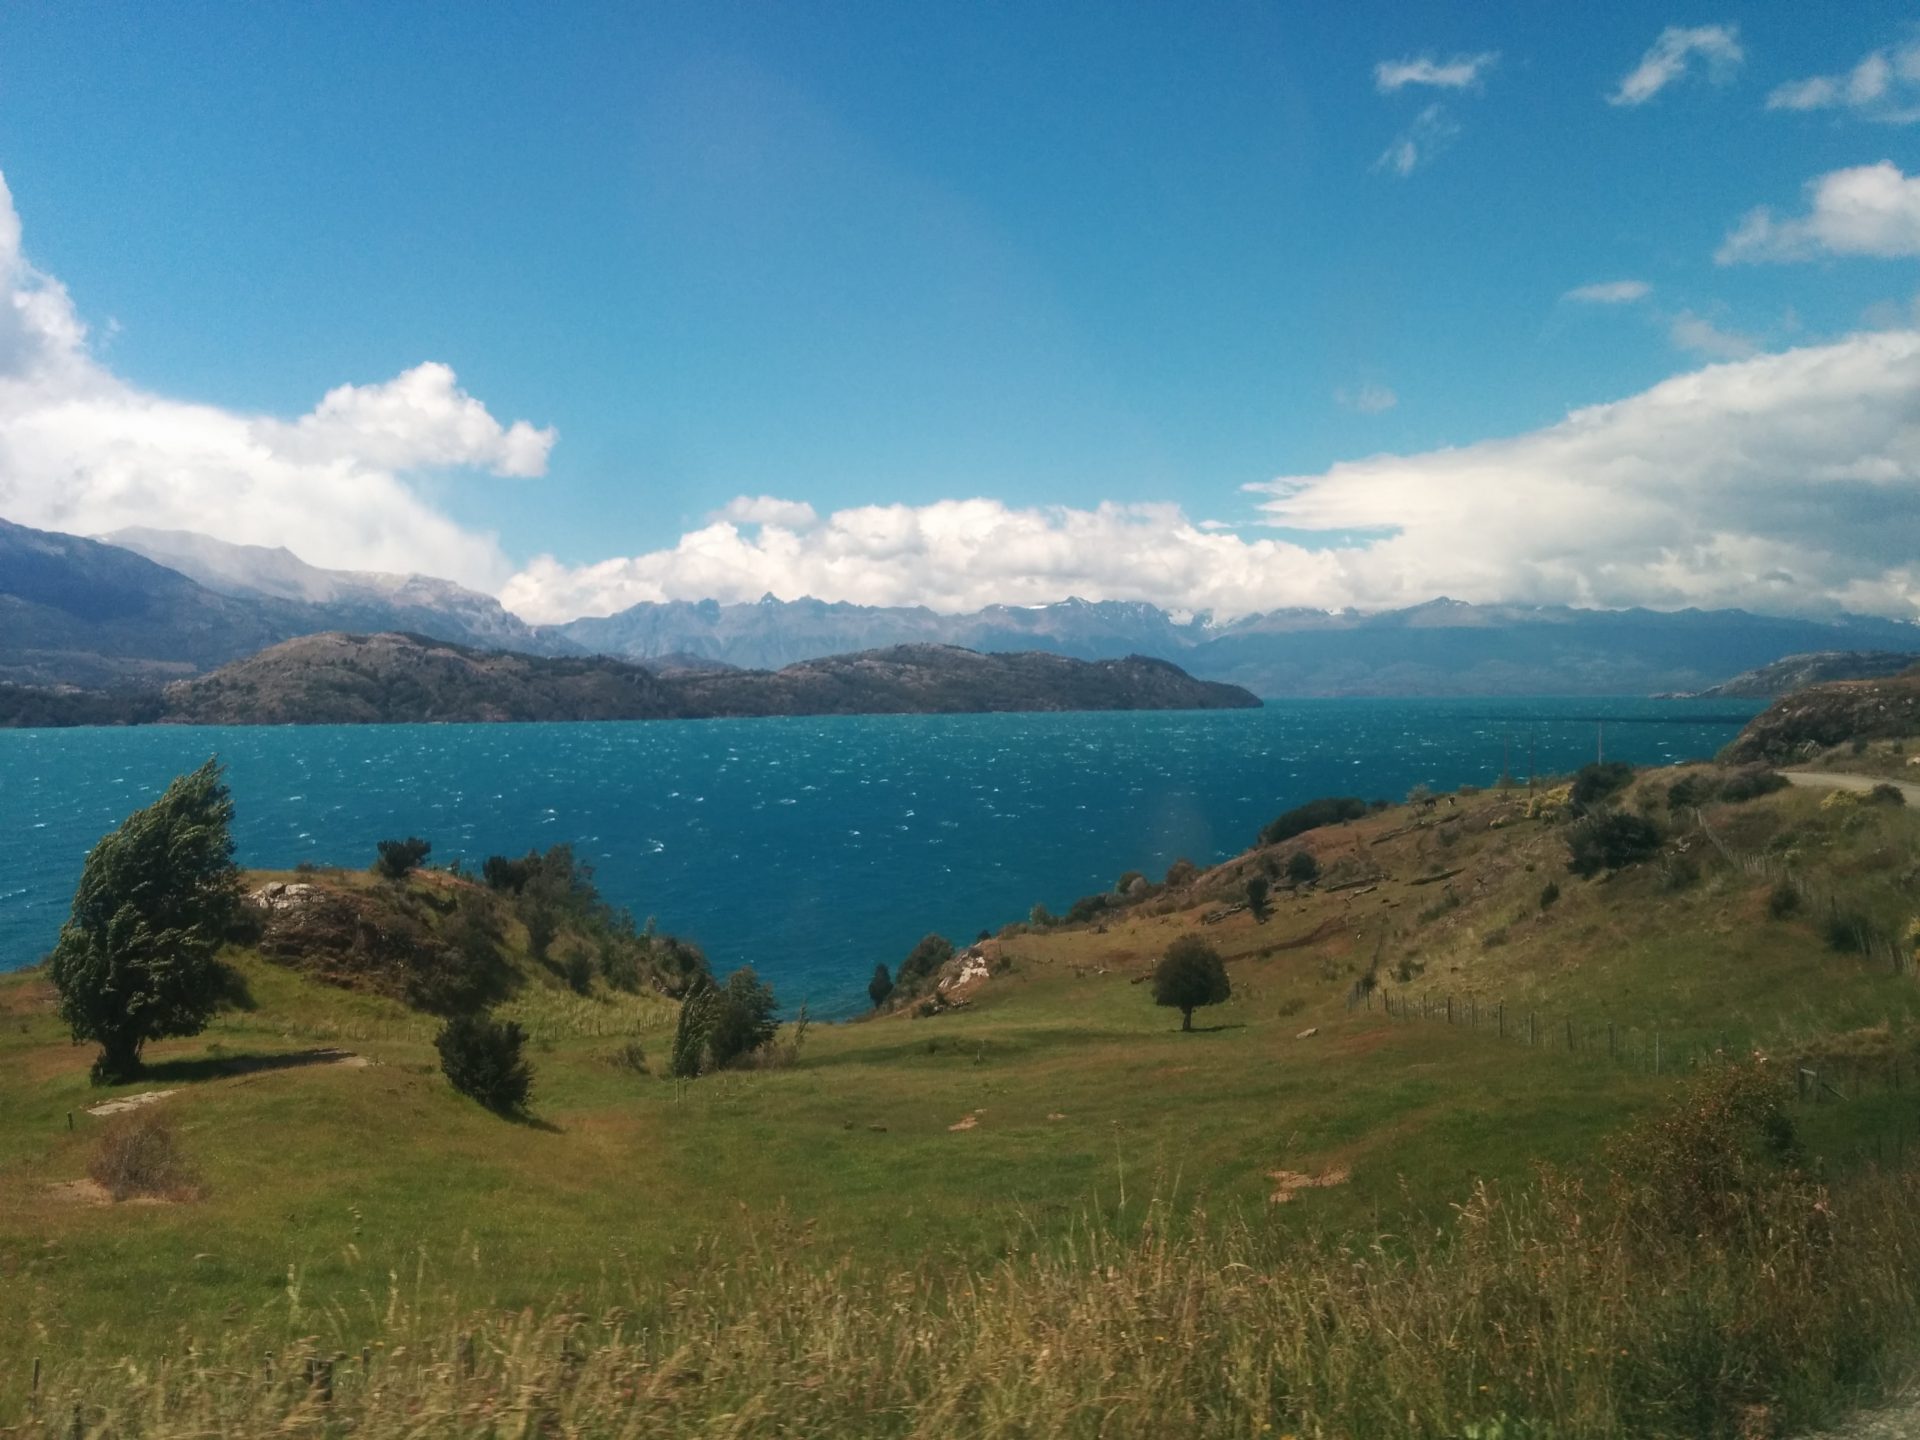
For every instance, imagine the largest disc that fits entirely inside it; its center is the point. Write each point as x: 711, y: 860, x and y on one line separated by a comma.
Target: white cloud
x: 768, y: 510
x: 1884, y: 86
x: 1700, y: 336
x: 1367, y: 399
x: 1673, y: 53
x: 83, y: 451
x: 1610, y: 292
x: 1433, y: 129
x: 1783, y: 482
x: 1462, y: 72
x: 1867, y: 210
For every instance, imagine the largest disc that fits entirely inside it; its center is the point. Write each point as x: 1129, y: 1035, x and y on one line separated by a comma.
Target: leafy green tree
x: 1302, y: 868
x: 1257, y: 888
x: 880, y: 986
x: 1327, y: 810
x: 481, y: 1057
x: 743, y: 1018
x: 135, y: 960
x: 398, y: 859
x: 1188, y: 976
x: 1181, y: 873
x: 1594, y: 783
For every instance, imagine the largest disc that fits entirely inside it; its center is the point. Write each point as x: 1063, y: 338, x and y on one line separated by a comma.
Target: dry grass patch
x: 139, y: 1158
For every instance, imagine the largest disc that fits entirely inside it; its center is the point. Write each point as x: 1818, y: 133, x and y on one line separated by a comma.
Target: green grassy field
x: 1059, y: 1102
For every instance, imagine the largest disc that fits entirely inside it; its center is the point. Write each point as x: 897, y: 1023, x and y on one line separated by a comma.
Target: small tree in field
x: 1302, y: 868
x: 480, y: 1056
x: 880, y: 987
x: 1257, y: 889
x: 135, y: 961
x: 1188, y: 976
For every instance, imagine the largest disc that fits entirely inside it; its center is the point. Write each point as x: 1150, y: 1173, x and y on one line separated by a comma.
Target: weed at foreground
x: 139, y: 1158
x: 1553, y: 1303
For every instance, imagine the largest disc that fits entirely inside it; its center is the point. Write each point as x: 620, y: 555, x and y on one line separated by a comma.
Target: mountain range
x: 146, y: 606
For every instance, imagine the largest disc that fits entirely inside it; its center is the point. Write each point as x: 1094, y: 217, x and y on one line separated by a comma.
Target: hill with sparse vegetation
x: 1449, y: 1090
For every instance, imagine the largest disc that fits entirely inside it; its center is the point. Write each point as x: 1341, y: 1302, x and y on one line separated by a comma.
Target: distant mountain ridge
x: 392, y: 679
x: 166, y: 604
x: 1444, y: 647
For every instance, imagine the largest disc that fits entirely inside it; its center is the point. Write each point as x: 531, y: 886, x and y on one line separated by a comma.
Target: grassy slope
x: 338, y: 1177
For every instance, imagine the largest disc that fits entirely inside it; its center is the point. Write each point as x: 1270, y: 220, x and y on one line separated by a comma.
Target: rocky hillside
x: 1797, y: 672
x: 362, y: 679
x: 1846, y: 710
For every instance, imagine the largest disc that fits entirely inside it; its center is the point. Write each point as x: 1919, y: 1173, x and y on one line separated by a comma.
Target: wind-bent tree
x: 1188, y: 976
x: 135, y: 961
x: 880, y: 986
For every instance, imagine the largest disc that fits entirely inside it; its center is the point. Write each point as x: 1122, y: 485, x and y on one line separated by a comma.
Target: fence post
x: 1610, y: 1049
x: 1500, y: 1016
x: 1530, y: 1027
x: 1569, y: 1034
x: 1656, y: 1052
x: 1449, y: 1009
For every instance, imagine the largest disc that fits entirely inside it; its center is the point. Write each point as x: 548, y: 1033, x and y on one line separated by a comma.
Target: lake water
x: 809, y: 848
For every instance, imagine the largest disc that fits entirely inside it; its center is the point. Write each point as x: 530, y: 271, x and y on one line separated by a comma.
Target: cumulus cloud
x: 1866, y: 210
x: 1672, y: 55
x: 1366, y: 399
x: 1773, y: 482
x: 1462, y: 72
x: 1700, y: 336
x: 768, y: 510
x: 1883, y: 86
x: 1609, y: 292
x: 85, y: 452
x: 1432, y: 130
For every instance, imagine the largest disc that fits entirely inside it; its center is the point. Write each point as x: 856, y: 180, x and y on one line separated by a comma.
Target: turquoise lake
x: 809, y: 848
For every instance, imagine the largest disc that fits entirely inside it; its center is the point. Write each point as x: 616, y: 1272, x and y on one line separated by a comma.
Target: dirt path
x: 1835, y: 780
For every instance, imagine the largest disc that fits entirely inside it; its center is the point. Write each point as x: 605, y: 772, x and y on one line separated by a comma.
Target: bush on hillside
x: 1886, y: 795
x: 398, y: 859
x: 1610, y: 840
x: 1188, y: 976
x: 1594, y: 783
x: 1302, y: 868
x: 926, y: 958
x: 743, y: 1019
x: 880, y: 986
x: 138, y: 1158
x: 1181, y: 873
x: 1257, y: 888
x: 1328, y: 810
x: 481, y: 1058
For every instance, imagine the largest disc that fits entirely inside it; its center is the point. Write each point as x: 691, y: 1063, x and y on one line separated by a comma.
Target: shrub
x: 630, y: 1057
x: 1610, y: 840
x: 1783, y: 899
x: 1124, y: 885
x: 1328, y: 810
x: 1188, y: 976
x: 1086, y: 908
x: 1040, y: 917
x: 579, y: 972
x: 743, y: 1018
x: 1257, y: 888
x: 1181, y: 873
x: 1302, y: 868
x: 500, y: 873
x: 1886, y: 795
x: 926, y: 958
x: 1750, y: 782
x: 542, y: 926
x: 1680, y: 872
x: 135, y: 960
x: 1847, y: 930
x: 1549, y: 893
x: 138, y: 1156
x: 481, y: 1058
x: 1419, y: 795
x: 880, y: 986
x: 1594, y: 783
x: 398, y: 859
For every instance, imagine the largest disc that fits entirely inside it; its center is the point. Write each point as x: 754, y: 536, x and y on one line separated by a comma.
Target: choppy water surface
x: 810, y: 848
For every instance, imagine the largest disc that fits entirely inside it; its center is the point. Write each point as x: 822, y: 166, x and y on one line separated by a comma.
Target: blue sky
x: 892, y: 256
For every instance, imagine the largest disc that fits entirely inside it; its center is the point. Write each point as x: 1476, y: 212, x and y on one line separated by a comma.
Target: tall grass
x: 1705, y: 1289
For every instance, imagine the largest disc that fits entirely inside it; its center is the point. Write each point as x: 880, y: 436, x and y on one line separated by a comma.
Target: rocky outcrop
x: 1810, y: 720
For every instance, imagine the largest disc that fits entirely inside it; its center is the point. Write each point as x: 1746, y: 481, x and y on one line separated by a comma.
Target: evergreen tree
x: 135, y: 960
x: 1188, y: 976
